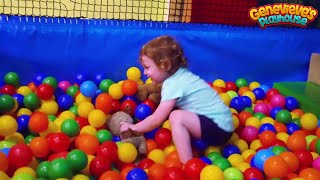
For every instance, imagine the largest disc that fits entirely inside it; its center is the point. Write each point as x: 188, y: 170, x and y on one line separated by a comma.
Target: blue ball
x: 292, y: 127
x: 23, y: 122
x: 206, y: 160
x: 65, y: 101
x: 237, y: 103
x: 98, y: 77
x: 38, y: 78
x: 88, y: 88
x: 133, y: 98
x: 5, y: 151
x: 151, y: 134
x: 19, y: 98
x: 142, y: 111
x: 260, y: 157
x: 80, y: 78
x: 291, y: 103
x: 137, y: 174
x: 199, y: 144
x: 265, y: 88
x: 259, y: 93
x: 267, y: 126
x: 246, y: 101
x: 116, y: 138
x: 274, y: 111
x: 58, y: 92
x: 229, y: 150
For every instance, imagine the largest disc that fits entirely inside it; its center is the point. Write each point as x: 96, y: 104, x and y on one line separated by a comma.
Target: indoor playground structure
x: 67, y: 66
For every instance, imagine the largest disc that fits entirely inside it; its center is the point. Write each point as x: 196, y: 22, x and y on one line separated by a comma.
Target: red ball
x: 99, y: 165
x: 128, y: 105
x: 8, y: 89
x: 305, y: 158
x: 253, y: 173
x: 150, y: 103
x: 174, y: 173
x: 231, y: 86
x: 45, y: 91
x: 20, y: 155
x: 108, y: 150
x: 270, y: 93
x: 129, y: 87
x: 163, y: 137
x: 145, y: 163
x: 115, y: 106
x: 58, y: 142
x: 193, y: 168
x: 54, y: 156
x: 104, y: 102
x: 82, y: 121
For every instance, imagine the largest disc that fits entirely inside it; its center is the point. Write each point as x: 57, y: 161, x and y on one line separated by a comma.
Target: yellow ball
x: 52, y: 128
x: 241, y: 144
x: 254, y: 85
x: 225, y: 98
x: 88, y: 130
x: 309, y: 121
x: 234, y: 138
x: 282, y: 136
x: 67, y: 115
x: 24, y: 111
x: 236, y: 121
x: 219, y: 83
x: 255, y: 144
x: 243, y: 166
x: 127, y: 153
x: 16, y: 137
x: 86, y: 170
x: 97, y: 118
x: 49, y: 107
x: 211, y: 149
x: 166, y: 124
x: 149, y: 81
x: 253, y: 121
x: 233, y: 111
x: 27, y: 170
x: 248, y: 153
x: 314, y: 155
x: 268, y: 120
x: 211, y: 172
x: 58, y: 121
x: 235, y: 159
x: 169, y: 149
x: 8, y: 125
x: 294, y: 115
x: 157, y: 155
x: 120, y: 82
x: 81, y: 98
x: 84, y: 109
x: 140, y: 82
x: 251, y: 95
x: 4, y: 176
x: 24, y: 90
x: 80, y: 177
x: 6, y: 144
x: 134, y: 73
x: 115, y: 91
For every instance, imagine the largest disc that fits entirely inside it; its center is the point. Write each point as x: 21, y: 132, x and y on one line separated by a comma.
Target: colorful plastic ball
x: 116, y: 138
x: 3, y: 162
x: 127, y: 153
x: 39, y: 147
x: 51, y: 81
x: 31, y: 101
x: 229, y: 150
x: 193, y: 168
x: 134, y: 73
x: 241, y: 82
x: 296, y: 142
x: 278, y: 100
x: 108, y: 150
x: 97, y: 118
x: 137, y: 174
x: 72, y: 90
x: 274, y: 111
x: 249, y: 133
x: 45, y: 91
x: 231, y: 86
x: 309, y: 121
x: 70, y: 127
x: 104, y: 103
x: 174, y: 173
x: 151, y: 134
x: 38, y: 122
x: 58, y: 142
x: 8, y: 125
x: 232, y: 94
x: 199, y: 144
x: 65, y: 101
x: 222, y: 163
x: 81, y: 77
x: 276, y: 167
x: 211, y: 172
x: 99, y: 165
x: 237, y: 103
x: 315, y: 163
x: 104, y: 135
x: 267, y: 126
x: 105, y: 85
x: 7, y: 103
x: 38, y: 78
x: 157, y: 155
x: 219, y: 83
x: 64, y: 85
x: 292, y: 127
x: 85, y: 108
x: 142, y: 111
x: 284, y: 116
x: 291, y: 103
x: 163, y: 137
x: 309, y: 174
x: 253, y: 173
x: 260, y: 157
x: 129, y: 87
x: 19, y: 98
x: 129, y: 106
x: 115, y: 91
x: 259, y: 93
x: 225, y: 98
x: 12, y: 78
x: 20, y: 155
x: 232, y: 173
x: 87, y: 143
x: 262, y: 108
x: 88, y: 88
x: 98, y: 77
x: 247, y: 101
x: 77, y: 159
x: 60, y: 168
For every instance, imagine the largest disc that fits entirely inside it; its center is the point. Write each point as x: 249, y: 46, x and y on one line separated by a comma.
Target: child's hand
x: 124, y: 126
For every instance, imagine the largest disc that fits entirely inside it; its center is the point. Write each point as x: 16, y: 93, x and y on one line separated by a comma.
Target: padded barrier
x: 63, y: 47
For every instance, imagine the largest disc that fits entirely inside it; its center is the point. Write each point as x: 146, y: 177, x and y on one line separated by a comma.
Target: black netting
x: 233, y: 12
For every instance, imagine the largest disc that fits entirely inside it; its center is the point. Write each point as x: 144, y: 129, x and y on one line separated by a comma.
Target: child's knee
x: 174, y: 117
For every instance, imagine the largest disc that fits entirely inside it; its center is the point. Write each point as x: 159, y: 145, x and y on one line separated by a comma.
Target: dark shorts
x: 211, y: 133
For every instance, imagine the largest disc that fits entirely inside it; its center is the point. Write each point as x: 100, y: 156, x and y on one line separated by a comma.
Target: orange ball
x: 32, y: 86
x: 218, y: 89
x: 309, y: 174
x: 39, y: 147
x: 280, y: 127
x: 129, y: 87
x: 104, y: 102
x: 291, y: 159
x: 275, y: 167
x: 157, y: 171
x: 125, y: 172
x: 243, y: 116
x: 267, y: 138
x: 87, y: 143
x: 38, y: 122
x: 243, y: 90
x: 151, y: 145
x: 110, y: 175
x: 173, y: 162
x: 296, y: 142
x: 173, y: 155
x: 317, y: 132
x: 298, y: 112
x: 3, y: 162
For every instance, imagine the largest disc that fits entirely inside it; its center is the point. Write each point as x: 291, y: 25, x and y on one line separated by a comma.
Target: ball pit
x: 53, y: 129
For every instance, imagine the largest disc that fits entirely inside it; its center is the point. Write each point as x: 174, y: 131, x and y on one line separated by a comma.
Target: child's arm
x: 153, y: 121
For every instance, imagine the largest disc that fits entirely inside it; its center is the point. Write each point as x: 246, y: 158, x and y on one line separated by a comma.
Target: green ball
x: 297, y: 122
x: 31, y: 101
x: 241, y: 82
x: 232, y: 94
x: 12, y: 78
x: 52, y: 117
x: 72, y: 90
x: 60, y: 168
x: 104, y: 135
x: 249, y: 109
x: 28, y: 138
x: 222, y: 163
x: 51, y: 81
x: 43, y: 169
x: 23, y: 176
x: 77, y: 159
x: 6, y: 103
x: 74, y: 110
x: 278, y: 150
x: 105, y: 84
x: 70, y: 127
x: 259, y: 115
x: 214, y: 155
x: 284, y: 116
x: 233, y: 173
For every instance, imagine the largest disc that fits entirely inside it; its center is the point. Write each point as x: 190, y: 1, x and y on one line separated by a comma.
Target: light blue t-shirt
x: 195, y: 95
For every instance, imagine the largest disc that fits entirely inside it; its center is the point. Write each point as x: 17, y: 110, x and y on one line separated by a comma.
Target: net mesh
x: 233, y: 12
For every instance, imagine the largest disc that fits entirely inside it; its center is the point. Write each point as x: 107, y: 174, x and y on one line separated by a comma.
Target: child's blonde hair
x: 166, y: 53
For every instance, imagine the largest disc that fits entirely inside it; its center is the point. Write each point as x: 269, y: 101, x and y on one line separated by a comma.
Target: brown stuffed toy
x: 130, y: 136
x: 149, y: 91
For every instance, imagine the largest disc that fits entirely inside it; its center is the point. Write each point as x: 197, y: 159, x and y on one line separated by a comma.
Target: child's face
x: 153, y: 71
